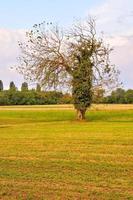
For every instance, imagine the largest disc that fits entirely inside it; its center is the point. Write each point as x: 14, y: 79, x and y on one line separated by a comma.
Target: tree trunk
x: 81, y: 114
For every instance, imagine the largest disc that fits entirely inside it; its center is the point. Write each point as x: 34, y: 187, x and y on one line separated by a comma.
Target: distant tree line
x: 120, y: 96
x: 27, y: 96
x: 37, y: 96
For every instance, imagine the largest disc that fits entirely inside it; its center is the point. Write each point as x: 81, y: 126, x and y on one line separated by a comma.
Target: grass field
x: 46, y: 154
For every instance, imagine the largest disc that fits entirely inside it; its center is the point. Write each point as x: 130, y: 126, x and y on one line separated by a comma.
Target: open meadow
x: 46, y: 154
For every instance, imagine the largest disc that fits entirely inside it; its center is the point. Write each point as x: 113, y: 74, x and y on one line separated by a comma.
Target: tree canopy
x: 77, y: 58
x: 37, y: 96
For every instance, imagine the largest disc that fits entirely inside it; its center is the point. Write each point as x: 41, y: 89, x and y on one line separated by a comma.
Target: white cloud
x: 114, y: 16
x: 9, y: 51
x: 115, y: 19
x: 122, y: 56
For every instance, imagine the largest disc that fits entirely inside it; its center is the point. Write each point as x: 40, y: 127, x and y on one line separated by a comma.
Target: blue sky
x: 24, y: 13
x: 113, y: 17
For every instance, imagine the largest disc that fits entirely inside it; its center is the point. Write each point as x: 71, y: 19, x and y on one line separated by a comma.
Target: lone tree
x: 76, y: 57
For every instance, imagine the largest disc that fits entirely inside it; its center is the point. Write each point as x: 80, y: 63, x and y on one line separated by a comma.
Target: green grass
x: 47, y: 154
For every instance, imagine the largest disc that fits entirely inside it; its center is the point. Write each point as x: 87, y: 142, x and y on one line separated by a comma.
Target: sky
x: 113, y: 18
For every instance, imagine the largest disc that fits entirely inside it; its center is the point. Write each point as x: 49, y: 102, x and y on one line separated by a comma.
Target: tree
x: 24, y: 87
x: 129, y: 96
x: 118, y: 96
x: 98, y: 95
x: 38, y: 87
x: 76, y: 57
x: 1, y: 85
x: 12, y: 86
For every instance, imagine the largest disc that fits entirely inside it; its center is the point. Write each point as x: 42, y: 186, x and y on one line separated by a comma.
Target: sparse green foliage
x: 78, y: 57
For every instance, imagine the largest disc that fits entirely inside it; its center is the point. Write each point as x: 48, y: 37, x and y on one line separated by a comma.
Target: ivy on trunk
x: 76, y: 58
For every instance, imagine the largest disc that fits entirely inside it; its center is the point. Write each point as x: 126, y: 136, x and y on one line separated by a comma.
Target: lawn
x: 46, y: 154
